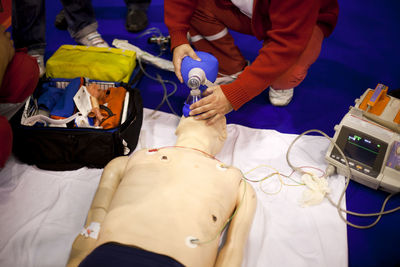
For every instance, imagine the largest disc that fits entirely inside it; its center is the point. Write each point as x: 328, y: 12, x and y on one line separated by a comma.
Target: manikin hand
x: 180, y: 52
x: 212, y: 107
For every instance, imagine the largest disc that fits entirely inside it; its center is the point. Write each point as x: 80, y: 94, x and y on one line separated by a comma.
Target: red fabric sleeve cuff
x: 236, y: 95
x: 20, y: 79
x: 178, y: 38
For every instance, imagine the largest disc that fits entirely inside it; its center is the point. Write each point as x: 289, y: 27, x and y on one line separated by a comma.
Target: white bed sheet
x: 43, y: 211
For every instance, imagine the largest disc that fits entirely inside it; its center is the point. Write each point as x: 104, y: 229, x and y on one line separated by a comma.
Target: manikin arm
x: 110, y: 179
x: 232, y: 252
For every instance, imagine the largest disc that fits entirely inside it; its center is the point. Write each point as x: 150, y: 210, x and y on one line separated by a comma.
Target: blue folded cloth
x: 65, y: 106
x: 49, y: 96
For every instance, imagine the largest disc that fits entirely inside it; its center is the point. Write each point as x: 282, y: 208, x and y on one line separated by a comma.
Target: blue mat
x: 361, y: 52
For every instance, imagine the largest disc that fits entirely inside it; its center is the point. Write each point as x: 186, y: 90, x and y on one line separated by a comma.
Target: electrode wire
x: 282, y: 182
x: 347, y: 181
x: 265, y: 178
x: 198, y: 242
x: 310, y: 173
x: 186, y: 147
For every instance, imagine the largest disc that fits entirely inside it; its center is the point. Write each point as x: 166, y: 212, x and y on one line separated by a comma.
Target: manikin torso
x: 168, y: 196
x: 160, y: 203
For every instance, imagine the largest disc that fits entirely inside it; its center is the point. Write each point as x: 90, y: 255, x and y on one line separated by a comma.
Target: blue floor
x: 362, y: 51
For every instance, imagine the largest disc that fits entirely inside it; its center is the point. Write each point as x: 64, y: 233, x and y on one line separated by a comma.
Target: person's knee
x: 5, y: 141
x: 298, y: 77
x: 20, y: 79
x: 291, y: 79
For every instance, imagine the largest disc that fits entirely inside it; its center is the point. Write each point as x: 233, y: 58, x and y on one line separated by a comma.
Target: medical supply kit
x: 86, y: 111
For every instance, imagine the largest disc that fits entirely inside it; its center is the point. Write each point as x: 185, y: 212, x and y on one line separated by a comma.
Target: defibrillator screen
x: 362, y: 148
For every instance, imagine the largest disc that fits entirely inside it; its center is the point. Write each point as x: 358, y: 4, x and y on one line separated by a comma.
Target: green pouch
x: 95, y: 63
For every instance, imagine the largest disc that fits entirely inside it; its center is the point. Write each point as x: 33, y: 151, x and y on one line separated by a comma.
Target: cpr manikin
x: 173, y: 201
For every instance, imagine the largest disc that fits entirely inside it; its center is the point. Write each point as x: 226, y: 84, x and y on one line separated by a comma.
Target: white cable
x: 144, y: 56
x: 347, y: 179
x: 162, y: 82
x: 148, y: 58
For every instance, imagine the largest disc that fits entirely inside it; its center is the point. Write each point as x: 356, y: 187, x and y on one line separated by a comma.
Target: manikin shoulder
x: 188, y: 167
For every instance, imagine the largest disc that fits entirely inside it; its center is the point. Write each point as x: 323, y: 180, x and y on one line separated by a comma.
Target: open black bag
x: 60, y: 149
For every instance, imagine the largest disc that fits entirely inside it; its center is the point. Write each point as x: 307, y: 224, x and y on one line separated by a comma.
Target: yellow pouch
x: 95, y: 63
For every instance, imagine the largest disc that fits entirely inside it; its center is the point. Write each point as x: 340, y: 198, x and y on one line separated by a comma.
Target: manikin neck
x: 197, y: 134
x: 195, y: 143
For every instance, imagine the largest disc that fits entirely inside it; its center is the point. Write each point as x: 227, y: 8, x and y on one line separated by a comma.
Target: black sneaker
x: 61, y: 22
x: 136, y: 20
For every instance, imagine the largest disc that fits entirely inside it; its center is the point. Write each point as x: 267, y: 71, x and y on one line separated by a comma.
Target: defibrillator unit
x: 369, y: 137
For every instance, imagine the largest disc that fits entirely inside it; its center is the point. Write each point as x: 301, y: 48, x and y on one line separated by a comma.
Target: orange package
x: 111, y: 107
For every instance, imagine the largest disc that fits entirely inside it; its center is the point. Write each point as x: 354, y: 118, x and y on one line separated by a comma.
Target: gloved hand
x: 179, y: 53
x: 213, y: 106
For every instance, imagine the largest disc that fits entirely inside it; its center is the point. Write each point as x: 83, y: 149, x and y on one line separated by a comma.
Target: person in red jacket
x: 292, y: 32
x: 19, y: 75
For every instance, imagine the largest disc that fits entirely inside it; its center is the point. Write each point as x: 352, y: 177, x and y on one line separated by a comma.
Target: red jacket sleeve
x: 177, y: 15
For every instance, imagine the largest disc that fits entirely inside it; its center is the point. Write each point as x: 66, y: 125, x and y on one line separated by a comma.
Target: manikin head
x: 197, y: 134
